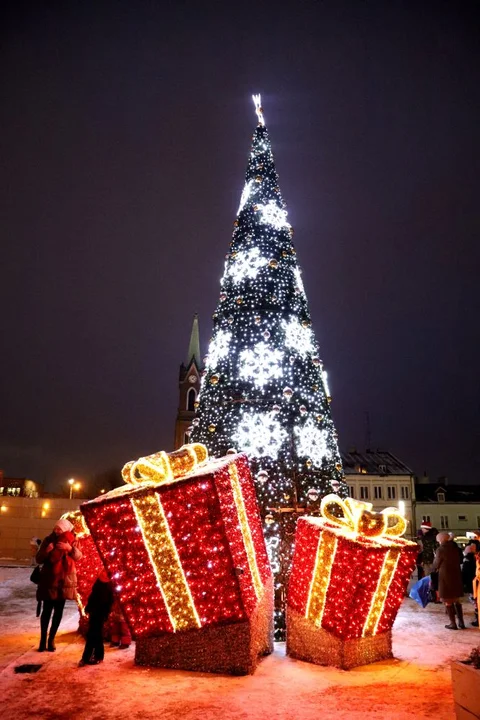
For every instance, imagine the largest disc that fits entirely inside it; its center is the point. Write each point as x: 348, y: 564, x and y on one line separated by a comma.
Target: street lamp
x: 77, y: 486
x: 71, y: 483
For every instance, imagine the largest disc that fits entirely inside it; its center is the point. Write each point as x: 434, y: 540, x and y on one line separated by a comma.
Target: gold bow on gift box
x: 165, y: 467
x: 358, y: 517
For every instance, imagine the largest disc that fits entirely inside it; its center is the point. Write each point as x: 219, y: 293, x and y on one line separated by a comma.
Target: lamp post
x: 71, y: 483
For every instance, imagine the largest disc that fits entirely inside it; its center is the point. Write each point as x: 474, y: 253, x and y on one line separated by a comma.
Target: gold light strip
x: 387, y: 573
x: 327, y: 546
x: 245, y: 528
x: 165, y: 561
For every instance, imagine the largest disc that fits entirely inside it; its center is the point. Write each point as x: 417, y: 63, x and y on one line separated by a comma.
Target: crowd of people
x: 453, y: 571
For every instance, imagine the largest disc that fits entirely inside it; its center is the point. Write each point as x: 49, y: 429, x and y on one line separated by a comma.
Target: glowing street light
x: 71, y: 482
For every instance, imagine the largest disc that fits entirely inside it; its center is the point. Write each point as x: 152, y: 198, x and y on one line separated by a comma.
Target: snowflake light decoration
x: 298, y: 337
x: 246, y: 265
x: 247, y: 190
x: 261, y: 364
x: 219, y: 347
x: 259, y: 435
x: 312, y: 442
x: 273, y: 215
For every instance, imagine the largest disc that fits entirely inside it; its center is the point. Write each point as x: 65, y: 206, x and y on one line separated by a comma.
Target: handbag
x: 35, y: 576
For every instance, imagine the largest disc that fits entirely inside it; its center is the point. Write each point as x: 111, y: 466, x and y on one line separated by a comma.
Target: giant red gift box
x: 349, y: 576
x: 189, y: 563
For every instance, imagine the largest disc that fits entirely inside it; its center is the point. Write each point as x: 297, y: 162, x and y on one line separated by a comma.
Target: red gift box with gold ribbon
x: 184, y: 546
x: 349, y: 575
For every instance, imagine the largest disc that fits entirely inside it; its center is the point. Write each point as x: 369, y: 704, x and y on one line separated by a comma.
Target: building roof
x: 453, y: 493
x: 373, y: 462
x: 194, y: 345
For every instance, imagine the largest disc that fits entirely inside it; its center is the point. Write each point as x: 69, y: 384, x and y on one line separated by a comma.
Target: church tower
x: 189, y: 387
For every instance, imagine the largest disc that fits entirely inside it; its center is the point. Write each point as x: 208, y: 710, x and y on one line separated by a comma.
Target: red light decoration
x: 186, y: 553
x: 349, y: 575
x: 90, y: 564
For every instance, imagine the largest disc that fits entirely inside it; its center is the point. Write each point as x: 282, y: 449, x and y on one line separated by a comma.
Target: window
x: 351, y: 491
x: 404, y: 492
x: 444, y: 522
x: 462, y: 518
x: 191, y: 397
x: 425, y: 518
x: 363, y: 492
x: 440, y: 497
x: 382, y: 469
x: 391, y: 492
x: 377, y: 492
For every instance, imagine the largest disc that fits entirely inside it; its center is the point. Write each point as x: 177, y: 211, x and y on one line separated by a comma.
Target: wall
x: 22, y: 518
x: 450, y: 510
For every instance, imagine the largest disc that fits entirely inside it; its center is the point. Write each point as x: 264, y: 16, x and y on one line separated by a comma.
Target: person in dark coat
x: 429, y: 544
x: 98, y: 609
x: 450, y: 585
x: 469, y: 568
x: 58, y: 579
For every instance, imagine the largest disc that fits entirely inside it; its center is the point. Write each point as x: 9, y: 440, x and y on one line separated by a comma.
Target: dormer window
x: 440, y: 497
x: 382, y: 469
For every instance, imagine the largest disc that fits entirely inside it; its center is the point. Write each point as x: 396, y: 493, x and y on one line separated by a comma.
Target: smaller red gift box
x: 349, y: 575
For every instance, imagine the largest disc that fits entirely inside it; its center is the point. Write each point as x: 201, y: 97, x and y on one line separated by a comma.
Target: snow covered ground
x: 415, y: 685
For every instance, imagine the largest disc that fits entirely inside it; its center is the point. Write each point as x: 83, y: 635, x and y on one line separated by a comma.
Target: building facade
x: 455, y: 508
x: 188, y: 387
x: 19, y: 487
x: 380, y: 478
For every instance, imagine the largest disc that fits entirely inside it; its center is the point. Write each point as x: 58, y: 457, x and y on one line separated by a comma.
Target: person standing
x: 450, y: 585
x: 58, y: 580
x: 35, y: 543
x: 476, y: 579
x: 428, y: 541
x: 98, y: 609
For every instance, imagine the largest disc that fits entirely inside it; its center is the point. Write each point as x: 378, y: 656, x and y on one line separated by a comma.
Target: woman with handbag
x: 58, y: 579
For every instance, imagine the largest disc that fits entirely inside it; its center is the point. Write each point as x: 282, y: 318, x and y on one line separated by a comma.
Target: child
x: 98, y: 608
x: 119, y: 633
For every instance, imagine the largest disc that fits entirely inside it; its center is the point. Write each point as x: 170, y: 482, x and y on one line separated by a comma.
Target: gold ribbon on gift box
x: 358, y: 520
x: 165, y: 467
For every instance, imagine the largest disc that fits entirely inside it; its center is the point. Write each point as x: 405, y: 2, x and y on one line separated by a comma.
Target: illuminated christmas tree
x: 264, y: 388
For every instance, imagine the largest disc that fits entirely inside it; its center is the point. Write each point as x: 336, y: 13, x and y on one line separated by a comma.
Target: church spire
x: 194, y: 345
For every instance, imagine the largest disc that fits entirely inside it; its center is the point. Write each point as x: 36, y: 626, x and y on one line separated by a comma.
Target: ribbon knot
x: 358, y: 517
x: 164, y: 467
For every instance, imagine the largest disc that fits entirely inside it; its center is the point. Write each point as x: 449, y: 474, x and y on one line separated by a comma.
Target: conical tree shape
x: 264, y: 389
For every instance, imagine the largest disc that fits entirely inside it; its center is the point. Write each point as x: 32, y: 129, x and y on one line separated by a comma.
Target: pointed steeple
x: 194, y: 345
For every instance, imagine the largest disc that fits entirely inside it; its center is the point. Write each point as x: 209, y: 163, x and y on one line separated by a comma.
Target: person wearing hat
x: 58, y: 579
x: 450, y: 585
x: 476, y: 579
x: 429, y: 544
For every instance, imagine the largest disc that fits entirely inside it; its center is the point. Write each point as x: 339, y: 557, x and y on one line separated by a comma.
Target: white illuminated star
x: 298, y: 279
x: 246, y: 265
x: 260, y: 363
x: 247, y: 190
x: 298, y: 337
x: 259, y: 435
x: 271, y: 214
x: 218, y: 348
x: 312, y: 442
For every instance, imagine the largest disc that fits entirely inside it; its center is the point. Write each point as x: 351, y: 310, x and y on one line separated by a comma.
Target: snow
x: 416, y: 684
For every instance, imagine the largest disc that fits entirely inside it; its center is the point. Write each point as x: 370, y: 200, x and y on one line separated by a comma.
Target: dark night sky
x: 125, y: 130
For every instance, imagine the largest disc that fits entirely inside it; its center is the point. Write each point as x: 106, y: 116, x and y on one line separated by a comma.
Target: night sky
x: 125, y: 129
